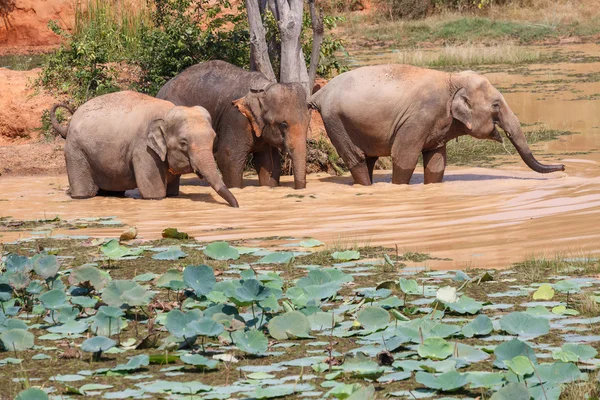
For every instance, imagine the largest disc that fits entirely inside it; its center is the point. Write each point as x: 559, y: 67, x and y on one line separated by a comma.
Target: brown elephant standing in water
x: 251, y: 115
x: 405, y: 111
x: 127, y: 140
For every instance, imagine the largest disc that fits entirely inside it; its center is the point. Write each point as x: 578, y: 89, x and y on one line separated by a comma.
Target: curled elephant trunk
x: 296, y: 145
x: 510, y: 124
x: 204, y: 165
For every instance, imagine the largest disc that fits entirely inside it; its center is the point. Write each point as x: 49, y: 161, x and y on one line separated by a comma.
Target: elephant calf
x: 251, y: 115
x: 405, y: 111
x: 125, y: 140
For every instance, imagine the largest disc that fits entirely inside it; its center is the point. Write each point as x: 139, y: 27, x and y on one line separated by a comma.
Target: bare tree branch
x: 259, y: 53
x: 318, y: 31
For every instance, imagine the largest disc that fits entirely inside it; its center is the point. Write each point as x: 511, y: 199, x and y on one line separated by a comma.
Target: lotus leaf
x: 171, y: 275
x: 97, y: 344
x: 178, y: 323
x: 562, y: 310
x: 567, y: 286
x: 524, y: 324
x: 511, y: 349
x: 347, y: 255
x: 221, y: 251
x: 488, y: 380
x: 32, y: 394
x: 190, y: 388
x: 172, y: 254
x: 277, y: 258
x: 410, y: 286
x: 469, y: 354
x: 133, y: 364
x: 17, y: 339
x: 435, y: 348
x: 199, y: 361
x: 321, y: 321
x: 395, y: 377
x: 311, y: 243
x: 557, y: 373
x: 252, y: 342
x: 46, y: 266
x: 544, y: 292
x: 290, y: 325
x: 84, y: 302
x: 512, y: 391
x: 520, y: 365
x: 465, y: 305
x: 360, y: 365
x: 89, y: 275
x: 250, y: 291
x: 70, y: 328
x: 575, y: 352
x: 206, y: 327
x: 200, y: 278
x: 114, y: 251
x: 18, y: 280
x: 122, y: 292
x: 481, y: 325
x: 373, y: 318
x: 446, y: 382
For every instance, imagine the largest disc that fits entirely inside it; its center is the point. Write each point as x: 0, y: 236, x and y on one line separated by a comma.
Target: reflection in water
x: 478, y: 217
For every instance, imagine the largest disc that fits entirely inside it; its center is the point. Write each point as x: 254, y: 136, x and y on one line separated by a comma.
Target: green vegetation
x: 82, y: 315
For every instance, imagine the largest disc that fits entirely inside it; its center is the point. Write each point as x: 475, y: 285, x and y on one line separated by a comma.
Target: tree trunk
x: 318, y: 31
x: 289, y: 20
x: 259, y: 53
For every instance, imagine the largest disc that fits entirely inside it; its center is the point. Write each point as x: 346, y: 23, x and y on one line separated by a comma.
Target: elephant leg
x: 81, y: 181
x: 353, y: 157
x: 268, y: 166
x: 173, y: 185
x: 371, y: 166
x: 231, y: 169
x: 404, y: 160
x: 434, y: 163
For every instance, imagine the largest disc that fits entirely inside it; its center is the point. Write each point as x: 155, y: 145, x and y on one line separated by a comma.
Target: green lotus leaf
x: 83, y: 301
x: 520, y: 365
x: 17, y: 263
x: 465, y: 305
x: 311, y: 243
x: 557, y: 373
x: 322, y: 321
x: 277, y: 258
x: 271, y: 392
x: 567, y: 286
x: 488, y: 380
x: 290, y: 325
x: 252, y: 342
x: 70, y: 328
x: 480, y: 326
x: 347, y: 255
x: 201, y: 278
x: 87, y: 274
x: 46, y: 266
x: 512, y: 391
x: 18, y: 280
x: 221, y: 251
x: 511, y: 349
x: 251, y: 290
x: 16, y: 339
x: 178, y: 323
x: 122, y: 292
x: 133, y: 364
x: 360, y: 365
x: 190, y: 388
x: 373, y: 318
x: 199, y: 361
x: 54, y: 299
x: 32, y: 394
x: 114, y: 251
x: 97, y: 344
x: 206, y: 327
x: 107, y: 322
x: 469, y: 354
x: 171, y: 275
x: 544, y: 292
x: 524, y: 324
x: 446, y: 382
x: 172, y: 254
x: 580, y: 352
x: 410, y: 286
x: 563, y: 310
x: 435, y: 348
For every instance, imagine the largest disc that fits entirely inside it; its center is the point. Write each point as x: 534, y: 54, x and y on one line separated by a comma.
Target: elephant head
x: 279, y: 114
x: 479, y: 107
x: 185, y: 139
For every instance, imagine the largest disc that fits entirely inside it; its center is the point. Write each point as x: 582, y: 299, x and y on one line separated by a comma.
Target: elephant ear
x: 250, y: 106
x: 156, y: 138
x: 461, y: 108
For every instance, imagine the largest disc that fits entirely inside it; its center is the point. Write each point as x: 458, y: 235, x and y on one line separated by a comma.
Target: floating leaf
x: 524, y: 325
x: 481, y: 325
x: 562, y: 310
x: 558, y: 373
x: 489, y: 380
x: 89, y: 275
x: 84, y: 302
x: 253, y: 342
x: 178, y: 323
x: 361, y: 366
x: 567, y: 286
x: 171, y: 275
x: 373, y: 318
x: 221, y: 251
x: 410, y: 286
x: 512, y: 391
x: 252, y: 290
x: 200, y: 278
x: 172, y: 254
x: 199, y: 361
x: 446, y: 382
x: 173, y: 233
x: 123, y: 292
x: 53, y: 299
x: 511, y: 349
x: 32, y: 394
x: 575, y: 352
x: 347, y: 255
x: 520, y: 365
x: 435, y: 348
x: 114, y: 251
x: 206, y: 327
x: 544, y: 292
x: 311, y: 243
x: 17, y: 339
x: 321, y: 321
x: 97, y: 344
x: 465, y: 305
x: 277, y: 258
x: 46, y: 266
x: 290, y: 325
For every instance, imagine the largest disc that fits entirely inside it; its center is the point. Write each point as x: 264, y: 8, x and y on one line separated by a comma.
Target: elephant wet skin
x: 127, y: 140
x: 405, y: 112
x: 251, y: 115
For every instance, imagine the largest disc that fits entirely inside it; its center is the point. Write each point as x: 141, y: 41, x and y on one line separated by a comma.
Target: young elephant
x: 251, y: 115
x: 125, y: 140
x: 404, y: 111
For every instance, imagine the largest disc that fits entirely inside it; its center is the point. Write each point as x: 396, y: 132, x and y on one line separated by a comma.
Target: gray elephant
x: 251, y: 115
x: 124, y: 140
x: 405, y: 111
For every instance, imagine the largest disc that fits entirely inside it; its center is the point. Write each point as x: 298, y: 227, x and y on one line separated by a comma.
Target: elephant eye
x: 283, y: 126
x: 183, y: 143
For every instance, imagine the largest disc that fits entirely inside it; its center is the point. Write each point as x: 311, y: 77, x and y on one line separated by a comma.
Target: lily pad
x: 199, y: 361
x: 172, y: 254
x: 89, y: 276
x: 54, y: 299
x: 373, y: 318
x: 410, y: 286
x: 277, y: 258
x: 253, y: 342
x: 465, y: 305
x: 46, y: 266
x: 435, y: 348
x: 97, y: 344
x: 481, y: 325
x: 524, y: 324
x: 520, y: 365
x: 32, y: 394
x: 347, y: 255
x: 446, y: 382
x: 221, y: 251
x: 200, y: 278
x: 311, y: 243
x: 17, y: 339
x: 544, y: 292
x: 290, y: 325
x: 511, y: 349
x: 512, y: 391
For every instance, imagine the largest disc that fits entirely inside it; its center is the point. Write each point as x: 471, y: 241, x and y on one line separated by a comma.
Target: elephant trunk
x: 511, y: 125
x: 296, y: 145
x: 204, y: 165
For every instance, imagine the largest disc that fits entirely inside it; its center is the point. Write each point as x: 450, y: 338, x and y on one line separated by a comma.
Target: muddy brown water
x: 478, y: 217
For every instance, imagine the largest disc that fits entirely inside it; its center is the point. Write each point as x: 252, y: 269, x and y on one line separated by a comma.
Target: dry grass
x: 589, y: 389
x: 587, y: 305
x: 470, y: 55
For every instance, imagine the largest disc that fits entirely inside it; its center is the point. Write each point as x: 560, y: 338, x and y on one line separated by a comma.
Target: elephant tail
x: 55, y: 124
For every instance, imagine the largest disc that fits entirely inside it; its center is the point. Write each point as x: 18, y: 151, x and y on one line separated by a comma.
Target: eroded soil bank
x: 479, y: 217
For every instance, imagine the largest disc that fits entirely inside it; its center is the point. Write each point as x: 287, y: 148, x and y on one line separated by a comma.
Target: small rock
x: 129, y: 234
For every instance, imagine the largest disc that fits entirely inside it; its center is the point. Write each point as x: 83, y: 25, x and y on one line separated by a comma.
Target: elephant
x: 405, y: 111
x: 123, y: 140
x: 251, y: 115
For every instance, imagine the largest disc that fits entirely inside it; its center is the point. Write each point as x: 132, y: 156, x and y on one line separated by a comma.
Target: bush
x: 405, y: 9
